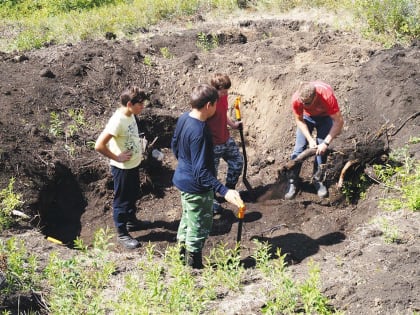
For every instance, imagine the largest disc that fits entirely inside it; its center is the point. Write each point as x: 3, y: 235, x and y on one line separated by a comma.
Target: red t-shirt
x: 324, y: 105
x: 218, y: 123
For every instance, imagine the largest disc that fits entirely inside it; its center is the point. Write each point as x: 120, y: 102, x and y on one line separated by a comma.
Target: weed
x: 166, y: 53
x: 76, y: 283
x: 78, y: 119
x: 148, y: 60
x: 401, y: 174
x: 262, y: 256
x: 313, y: 301
x: 56, y: 125
x: 91, y: 144
x: 22, y: 272
x: 390, y: 233
x: 227, y: 269
x: 9, y: 201
x: 282, y: 295
x: 356, y: 189
x: 414, y: 140
x: 207, y: 42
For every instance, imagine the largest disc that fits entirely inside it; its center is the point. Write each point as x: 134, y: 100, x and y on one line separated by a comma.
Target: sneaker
x: 321, y: 190
x: 136, y: 225
x: 128, y: 242
x: 291, y: 191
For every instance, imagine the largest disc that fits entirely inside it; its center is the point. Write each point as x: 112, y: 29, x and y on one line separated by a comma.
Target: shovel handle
x: 241, y: 212
x: 237, y: 110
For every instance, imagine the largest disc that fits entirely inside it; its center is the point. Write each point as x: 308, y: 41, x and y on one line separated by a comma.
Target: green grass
x: 9, y: 201
x: 91, y: 280
x: 401, y: 180
x: 28, y: 24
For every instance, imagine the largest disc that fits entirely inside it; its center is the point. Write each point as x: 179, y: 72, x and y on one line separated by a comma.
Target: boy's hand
x: 234, y: 198
x: 124, y: 156
x: 238, y: 125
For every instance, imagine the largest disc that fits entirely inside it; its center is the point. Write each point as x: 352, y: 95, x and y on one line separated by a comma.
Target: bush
x: 390, y: 21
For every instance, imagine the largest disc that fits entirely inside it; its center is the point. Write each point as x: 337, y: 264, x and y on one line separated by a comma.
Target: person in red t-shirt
x: 315, y: 107
x: 223, y: 145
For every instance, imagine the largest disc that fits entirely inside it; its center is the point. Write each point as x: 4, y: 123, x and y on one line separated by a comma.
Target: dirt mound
x: 56, y: 100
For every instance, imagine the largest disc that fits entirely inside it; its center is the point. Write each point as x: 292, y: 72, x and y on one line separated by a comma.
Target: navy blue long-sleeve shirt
x: 193, y: 148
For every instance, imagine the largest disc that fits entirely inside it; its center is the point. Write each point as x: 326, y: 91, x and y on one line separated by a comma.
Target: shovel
x: 241, y: 215
x: 241, y: 132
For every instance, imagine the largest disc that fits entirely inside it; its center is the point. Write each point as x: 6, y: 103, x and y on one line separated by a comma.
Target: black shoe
x: 182, y: 252
x: 195, y: 260
x: 128, y: 242
x: 136, y: 225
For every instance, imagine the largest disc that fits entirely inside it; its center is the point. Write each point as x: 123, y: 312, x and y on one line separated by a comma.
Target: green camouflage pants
x: 196, y: 221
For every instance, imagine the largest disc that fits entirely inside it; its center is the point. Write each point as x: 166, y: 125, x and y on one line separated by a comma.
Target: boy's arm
x: 101, y: 147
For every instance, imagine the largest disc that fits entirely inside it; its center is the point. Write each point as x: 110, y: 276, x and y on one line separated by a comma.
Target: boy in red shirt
x: 223, y: 144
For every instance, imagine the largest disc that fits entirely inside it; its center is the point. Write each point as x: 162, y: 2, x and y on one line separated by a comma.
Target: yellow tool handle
x: 54, y: 240
x: 241, y: 212
x: 237, y: 110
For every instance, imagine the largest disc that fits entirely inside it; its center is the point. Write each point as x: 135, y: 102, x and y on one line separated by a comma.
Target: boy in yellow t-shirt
x: 120, y: 142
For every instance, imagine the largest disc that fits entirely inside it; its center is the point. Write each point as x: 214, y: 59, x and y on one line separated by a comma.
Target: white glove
x: 234, y: 198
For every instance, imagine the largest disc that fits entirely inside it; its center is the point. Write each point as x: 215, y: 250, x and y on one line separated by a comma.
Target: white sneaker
x: 291, y: 191
x: 321, y: 190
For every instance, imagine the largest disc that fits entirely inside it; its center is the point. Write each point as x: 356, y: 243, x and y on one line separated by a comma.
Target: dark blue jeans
x: 323, y: 125
x: 126, y: 191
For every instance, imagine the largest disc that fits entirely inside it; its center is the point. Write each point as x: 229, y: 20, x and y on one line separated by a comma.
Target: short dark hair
x: 133, y: 94
x: 306, y: 91
x: 202, y: 94
x: 221, y: 81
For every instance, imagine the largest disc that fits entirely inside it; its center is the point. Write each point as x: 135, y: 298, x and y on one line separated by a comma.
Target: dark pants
x: 323, y: 125
x: 126, y: 191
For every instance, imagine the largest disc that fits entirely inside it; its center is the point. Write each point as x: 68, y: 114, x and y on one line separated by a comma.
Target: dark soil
x: 67, y: 186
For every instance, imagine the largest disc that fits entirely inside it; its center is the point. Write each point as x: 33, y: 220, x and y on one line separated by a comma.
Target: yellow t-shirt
x: 125, y: 137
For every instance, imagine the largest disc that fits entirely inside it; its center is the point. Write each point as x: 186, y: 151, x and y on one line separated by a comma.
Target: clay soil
x: 67, y: 186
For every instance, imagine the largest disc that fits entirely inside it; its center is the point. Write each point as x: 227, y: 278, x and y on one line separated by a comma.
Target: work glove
x: 233, y: 197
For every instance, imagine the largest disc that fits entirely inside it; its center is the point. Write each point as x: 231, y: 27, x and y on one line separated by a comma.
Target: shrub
x: 9, y: 201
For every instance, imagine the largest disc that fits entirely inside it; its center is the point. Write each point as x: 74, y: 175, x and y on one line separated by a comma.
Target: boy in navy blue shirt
x: 195, y: 174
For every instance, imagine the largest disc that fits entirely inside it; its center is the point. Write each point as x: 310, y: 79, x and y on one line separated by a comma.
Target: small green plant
x: 262, y: 256
x: 166, y: 53
x: 390, y: 233
x: 78, y: 119
x: 148, y: 60
x: 22, y: 272
x: 313, y: 300
x: 207, y: 42
x: 56, y: 125
x: 356, y: 189
x: 401, y: 174
x: 76, y: 284
x: 91, y: 144
x: 78, y: 116
x: 283, y: 295
x: 9, y: 201
x: 227, y: 263
x: 414, y: 140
